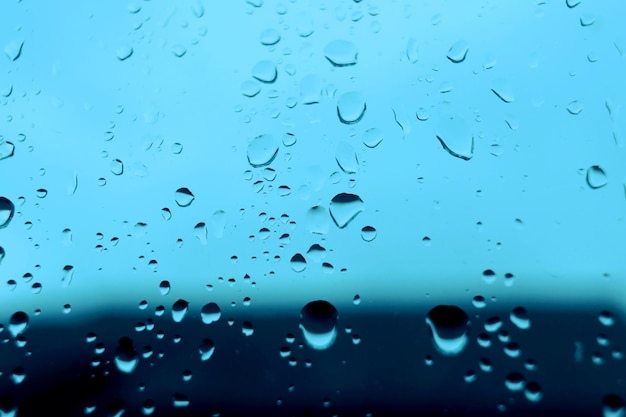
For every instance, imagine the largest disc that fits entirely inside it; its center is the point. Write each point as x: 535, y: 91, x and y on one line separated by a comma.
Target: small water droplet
x: 519, y: 317
x: 179, y: 310
x: 126, y: 357
x: 317, y: 220
x: 265, y: 71
x: 124, y: 52
x: 318, y: 322
x: 341, y: 53
x: 493, y: 324
x: 179, y: 51
x: 250, y: 88
x: 206, y: 349
x: 7, y: 209
x: 514, y: 381
x: 449, y: 328
x: 479, y: 301
x: 572, y: 3
x: 575, y: 107
x: 587, y: 19
x: 372, y: 137
x: 503, y: 90
x: 344, y: 208
x: 7, y: 149
x: 456, y: 137
x: 18, y: 375
x: 533, y: 392
x: 117, y: 167
x: 177, y: 148
x: 458, y: 52
x: 368, y: 233
x: 210, y: 313
x: 606, y: 318
x: 269, y: 37
x: 41, y: 193
x: 13, y: 49
x: 596, y: 177
x: 148, y: 407
x: 165, y: 287
x: 262, y: 150
x: 512, y: 350
x: 351, y: 107
x: 183, y: 197
x: 18, y: 323
x: 346, y: 158
x: 470, y: 376
x: 68, y: 275
x: 485, y: 365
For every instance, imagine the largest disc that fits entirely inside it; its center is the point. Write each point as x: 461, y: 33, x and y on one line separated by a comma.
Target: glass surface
x: 312, y: 208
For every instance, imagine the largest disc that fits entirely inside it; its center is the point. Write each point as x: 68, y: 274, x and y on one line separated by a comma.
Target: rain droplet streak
x: 456, y: 137
x: 262, y: 150
x: 206, y: 349
x: 519, y: 317
x: 179, y: 310
x: 210, y: 313
x: 318, y: 322
x: 7, y: 209
x: 344, y: 208
x: 126, y: 357
x: 449, y: 328
x: 346, y: 158
x: 298, y: 263
x: 372, y: 137
x: 458, y: 52
x: 18, y: 323
x: 341, y: 53
x: 183, y: 197
x: 265, y: 71
x: 368, y: 233
x: 351, y: 107
x: 596, y: 177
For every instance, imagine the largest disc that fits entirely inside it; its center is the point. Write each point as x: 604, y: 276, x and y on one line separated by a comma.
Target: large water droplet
x: 206, y: 349
x: 596, y: 177
x: 351, y: 107
x: 456, y: 137
x: 210, y: 313
x: 179, y: 310
x: 183, y: 197
x: 449, y: 328
x: 262, y: 150
x: 318, y: 322
x: 341, y: 53
x: 126, y: 357
x: 458, y: 52
x: 519, y: 317
x: 613, y: 406
x: 344, y: 208
x: 18, y: 323
x: 265, y: 71
x: 13, y: 49
x: 7, y: 209
x: 346, y: 158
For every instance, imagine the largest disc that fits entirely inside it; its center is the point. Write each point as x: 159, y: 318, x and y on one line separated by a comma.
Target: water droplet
x: 117, y: 167
x: 470, y: 376
x: 250, y: 88
x: 124, y: 52
x: 368, y: 233
x: 179, y: 310
x: 533, y: 392
x: 479, y: 301
x: 206, y: 349
x: 351, y: 107
x: 341, y: 53
x: 270, y: 37
x: 180, y: 400
x: 13, y: 49
x: 346, y: 158
x: 210, y: 313
x: 18, y: 375
x: 68, y: 275
x: 200, y: 231
x: 166, y: 213
x: 512, y: 350
x: 372, y: 137
x: 41, y: 193
x: 7, y: 149
x: 265, y: 71
x: 317, y: 220
x: 606, y: 318
x: 165, y: 287
x: 318, y: 322
x: 519, y: 317
x: 148, y: 407
x: 449, y: 328
x: 126, y: 358
x: 514, y: 381
x: 596, y: 177
x: 485, y: 365
x: 587, y: 19
x: 7, y: 209
x: 179, y: 51
x: 493, y: 324
x: 289, y: 139
x: 18, y: 323
x: 572, y: 3
x: 458, y: 51
x: 456, y: 137
x: 247, y: 329
x: 298, y: 263
x: 262, y: 150
x: 177, y: 148
x: 575, y: 107
x: 503, y: 90
x: 183, y: 197
x: 344, y: 208
x: 2, y: 254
